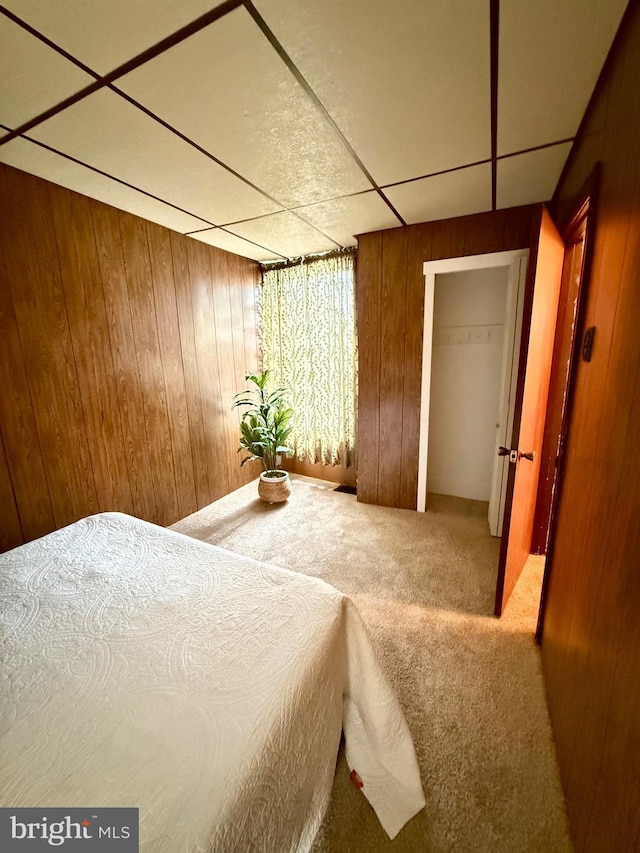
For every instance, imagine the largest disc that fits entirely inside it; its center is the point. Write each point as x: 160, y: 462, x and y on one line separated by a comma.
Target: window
x: 309, y: 344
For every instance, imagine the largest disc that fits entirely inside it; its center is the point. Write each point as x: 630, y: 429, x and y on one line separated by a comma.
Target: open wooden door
x: 536, y: 355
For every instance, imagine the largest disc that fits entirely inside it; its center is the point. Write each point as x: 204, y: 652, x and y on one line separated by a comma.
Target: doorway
x: 466, y: 373
x: 528, y: 372
x: 462, y: 327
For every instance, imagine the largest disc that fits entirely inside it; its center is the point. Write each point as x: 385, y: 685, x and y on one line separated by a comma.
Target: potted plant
x: 264, y: 430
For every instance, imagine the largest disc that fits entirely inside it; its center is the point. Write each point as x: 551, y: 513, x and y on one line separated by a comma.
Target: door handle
x: 516, y: 455
x: 505, y: 451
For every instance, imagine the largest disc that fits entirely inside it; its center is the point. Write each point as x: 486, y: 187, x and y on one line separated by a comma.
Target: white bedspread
x: 144, y: 668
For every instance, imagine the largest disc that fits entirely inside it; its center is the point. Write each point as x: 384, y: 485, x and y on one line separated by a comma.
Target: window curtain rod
x: 308, y: 259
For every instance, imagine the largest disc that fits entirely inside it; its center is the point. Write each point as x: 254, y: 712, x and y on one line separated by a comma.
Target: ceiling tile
x: 33, y: 77
x: 407, y: 82
x: 106, y: 131
x: 231, y: 243
x: 343, y: 218
x: 532, y: 177
x: 228, y: 90
x: 45, y: 164
x: 443, y: 196
x: 551, y: 54
x: 284, y: 233
x: 105, y: 35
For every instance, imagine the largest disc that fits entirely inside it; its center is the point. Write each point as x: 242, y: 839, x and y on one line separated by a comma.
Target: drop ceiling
x: 279, y: 128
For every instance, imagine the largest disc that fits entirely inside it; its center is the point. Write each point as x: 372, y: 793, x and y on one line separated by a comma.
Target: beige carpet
x: 471, y: 685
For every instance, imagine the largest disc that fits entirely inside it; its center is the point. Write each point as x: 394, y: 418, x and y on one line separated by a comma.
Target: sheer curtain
x: 309, y: 342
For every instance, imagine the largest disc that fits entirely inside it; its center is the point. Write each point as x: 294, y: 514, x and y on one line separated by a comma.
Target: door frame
x: 584, y: 208
x: 517, y: 260
x: 506, y: 411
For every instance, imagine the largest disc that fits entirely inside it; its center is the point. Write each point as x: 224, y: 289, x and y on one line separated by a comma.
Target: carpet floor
x: 471, y: 685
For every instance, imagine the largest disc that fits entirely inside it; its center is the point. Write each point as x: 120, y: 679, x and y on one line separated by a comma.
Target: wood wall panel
x: 147, y: 351
x: 197, y: 430
x: 230, y: 348
x: 159, y: 242
x: 245, y: 277
x: 368, y: 324
x: 590, y: 638
x: 615, y: 816
x: 217, y: 468
x: 392, y: 359
x: 45, y: 338
x: 84, y: 298
x: 106, y: 225
x: 448, y: 238
x: 119, y: 351
x: 204, y: 343
x: 18, y: 423
x: 243, y: 312
x: 10, y: 529
x: 390, y: 308
x: 520, y: 227
x: 484, y: 234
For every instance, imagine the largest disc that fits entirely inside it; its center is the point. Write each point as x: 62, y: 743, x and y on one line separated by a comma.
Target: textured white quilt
x: 144, y: 668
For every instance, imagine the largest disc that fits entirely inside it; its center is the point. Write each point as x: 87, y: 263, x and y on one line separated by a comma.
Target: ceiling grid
x: 277, y: 128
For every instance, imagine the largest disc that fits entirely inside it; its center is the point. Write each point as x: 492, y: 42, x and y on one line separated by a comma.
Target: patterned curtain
x: 309, y: 342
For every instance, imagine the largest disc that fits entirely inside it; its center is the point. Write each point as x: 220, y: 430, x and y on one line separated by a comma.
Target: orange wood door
x: 570, y: 292
x: 536, y: 365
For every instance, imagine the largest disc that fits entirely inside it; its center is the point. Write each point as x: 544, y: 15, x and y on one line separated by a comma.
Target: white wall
x: 468, y: 333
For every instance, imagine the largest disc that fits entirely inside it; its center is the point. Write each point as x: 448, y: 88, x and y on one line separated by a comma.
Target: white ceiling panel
x: 551, y: 53
x: 230, y: 243
x: 33, y: 77
x: 443, y: 196
x: 532, y: 177
x: 284, y: 233
x: 407, y: 82
x: 109, y: 133
x: 229, y: 91
x: 338, y: 217
x: 45, y: 164
x: 104, y: 35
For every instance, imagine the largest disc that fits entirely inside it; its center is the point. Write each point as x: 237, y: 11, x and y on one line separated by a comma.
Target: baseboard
x: 470, y: 489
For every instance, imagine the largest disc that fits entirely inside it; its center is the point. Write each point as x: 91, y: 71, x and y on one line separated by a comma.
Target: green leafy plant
x: 265, y: 425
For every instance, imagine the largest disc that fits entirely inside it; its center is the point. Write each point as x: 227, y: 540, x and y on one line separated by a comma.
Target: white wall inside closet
x: 466, y: 372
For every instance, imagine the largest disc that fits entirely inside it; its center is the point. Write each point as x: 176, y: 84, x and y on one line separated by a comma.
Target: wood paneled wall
x: 390, y: 308
x: 121, y: 346
x: 591, y: 629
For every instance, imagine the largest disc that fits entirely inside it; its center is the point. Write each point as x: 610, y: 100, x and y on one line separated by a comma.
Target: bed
x: 143, y: 668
